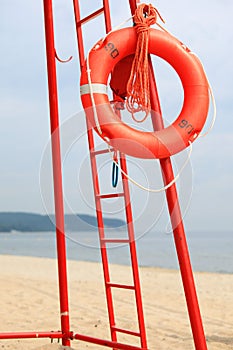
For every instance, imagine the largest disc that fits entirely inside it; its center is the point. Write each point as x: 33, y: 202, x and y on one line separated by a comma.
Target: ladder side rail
x: 178, y: 227
x: 96, y: 187
x: 79, y: 33
x: 57, y: 171
x: 130, y: 229
x: 133, y: 250
x: 103, y: 248
x: 133, y: 253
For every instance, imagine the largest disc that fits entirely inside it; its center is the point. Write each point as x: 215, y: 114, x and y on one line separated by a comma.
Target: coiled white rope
x: 148, y: 189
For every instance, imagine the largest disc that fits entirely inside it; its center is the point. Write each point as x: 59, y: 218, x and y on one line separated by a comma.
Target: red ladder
x: 99, y: 197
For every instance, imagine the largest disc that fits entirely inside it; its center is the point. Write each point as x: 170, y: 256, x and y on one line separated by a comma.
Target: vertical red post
x: 176, y: 220
x: 79, y: 33
x: 133, y: 5
x: 178, y: 228
x: 107, y: 16
x: 57, y: 172
x: 96, y: 186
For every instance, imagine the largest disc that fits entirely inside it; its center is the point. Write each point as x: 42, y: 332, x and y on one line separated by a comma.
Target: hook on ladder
x: 61, y: 60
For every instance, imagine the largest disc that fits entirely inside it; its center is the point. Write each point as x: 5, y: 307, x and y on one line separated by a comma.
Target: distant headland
x: 31, y: 222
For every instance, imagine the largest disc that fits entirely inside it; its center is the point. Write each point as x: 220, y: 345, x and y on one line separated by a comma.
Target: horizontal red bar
x: 19, y: 335
x: 111, y: 195
x: 102, y: 151
x: 114, y: 240
x: 122, y: 286
x: 108, y: 343
x: 126, y: 331
x: 91, y: 16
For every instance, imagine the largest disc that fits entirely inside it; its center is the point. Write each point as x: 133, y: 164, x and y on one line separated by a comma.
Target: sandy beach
x: 29, y: 302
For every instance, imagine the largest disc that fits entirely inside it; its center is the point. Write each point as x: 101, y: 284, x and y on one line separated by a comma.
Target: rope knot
x: 138, y: 89
x: 144, y: 17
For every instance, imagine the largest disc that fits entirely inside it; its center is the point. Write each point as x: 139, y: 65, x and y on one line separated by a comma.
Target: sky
x: 206, y: 186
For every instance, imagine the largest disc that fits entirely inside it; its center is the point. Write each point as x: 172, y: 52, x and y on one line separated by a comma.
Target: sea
x: 209, y: 251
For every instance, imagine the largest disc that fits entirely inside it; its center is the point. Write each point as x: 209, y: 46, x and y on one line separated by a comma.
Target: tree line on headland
x: 31, y: 222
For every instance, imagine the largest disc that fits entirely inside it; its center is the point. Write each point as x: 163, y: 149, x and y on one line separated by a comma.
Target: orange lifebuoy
x: 159, y: 144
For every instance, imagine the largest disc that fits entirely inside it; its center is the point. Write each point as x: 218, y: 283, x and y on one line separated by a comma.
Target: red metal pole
x: 107, y: 343
x: 176, y: 220
x: 79, y: 33
x: 133, y: 253
x: 95, y: 176
x: 100, y: 221
x: 133, y: 5
x: 178, y: 228
x: 27, y: 335
x: 57, y: 173
x: 107, y: 16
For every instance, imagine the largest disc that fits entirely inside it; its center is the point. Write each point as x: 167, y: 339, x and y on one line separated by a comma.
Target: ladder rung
x: 91, y: 16
x: 122, y: 286
x: 114, y: 240
x: 126, y: 331
x: 102, y: 151
x: 110, y: 195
